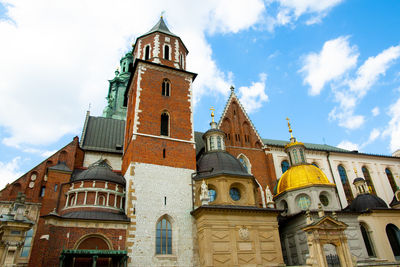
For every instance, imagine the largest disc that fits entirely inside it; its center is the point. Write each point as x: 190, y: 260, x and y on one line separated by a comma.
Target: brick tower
x: 159, y: 151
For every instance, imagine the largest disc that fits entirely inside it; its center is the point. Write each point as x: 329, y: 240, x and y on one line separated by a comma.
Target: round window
x: 324, y: 200
x: 234, y: 193
x: 212, y: 194
x: 304, y: 202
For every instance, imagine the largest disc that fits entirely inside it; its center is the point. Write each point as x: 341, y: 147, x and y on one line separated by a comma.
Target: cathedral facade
x: 142, y: 188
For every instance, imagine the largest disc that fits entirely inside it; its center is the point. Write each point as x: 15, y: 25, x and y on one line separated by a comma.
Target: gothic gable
x: 240, y: 131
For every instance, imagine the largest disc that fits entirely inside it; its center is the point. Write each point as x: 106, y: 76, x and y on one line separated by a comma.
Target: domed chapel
x: 141, y: 187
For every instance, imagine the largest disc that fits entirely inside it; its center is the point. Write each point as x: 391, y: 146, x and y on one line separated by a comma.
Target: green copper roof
x: 272, y: 142
x: 160, y: 27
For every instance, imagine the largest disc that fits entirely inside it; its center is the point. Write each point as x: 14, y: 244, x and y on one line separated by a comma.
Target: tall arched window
x: 166, y: 52
x: 295, y: 157
x: 391, y: 179
x: 245, y: 162
x: 147, y: 52
x: 345, y: 183
x: 164, y: 237
x: 284, y: 166
x: 219, y: 142
x: 368, y: 179
x: 164, y: 124
x: 166, y: 85
x: 393, y: 234
x: 367, y: 240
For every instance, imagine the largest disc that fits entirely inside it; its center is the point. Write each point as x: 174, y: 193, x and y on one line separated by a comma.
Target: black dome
x: 364, y: 202
x: 219, y: 162
x: 99, y: 170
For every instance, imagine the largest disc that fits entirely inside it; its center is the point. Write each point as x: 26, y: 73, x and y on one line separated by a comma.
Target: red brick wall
x: 242, y: 139
x: 152, y: 104
x: 48, y: 251
x: 150, y: 40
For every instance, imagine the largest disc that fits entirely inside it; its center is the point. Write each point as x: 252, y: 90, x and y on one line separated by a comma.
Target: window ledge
x: 170, y: 257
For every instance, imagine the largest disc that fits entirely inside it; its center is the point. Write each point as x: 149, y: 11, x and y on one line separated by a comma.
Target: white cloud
x: 57, y: 56
x: 375, y: 111
x: 335, y: 58
x: 373, y: 67
x: 291, y: 10
x: 40, y: 152
x: 252, y: 97
x: 9, y: 171
x: 393, y: 129
x: 348, y: 145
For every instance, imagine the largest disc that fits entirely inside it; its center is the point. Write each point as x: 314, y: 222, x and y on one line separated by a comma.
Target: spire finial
x: 290, y: 128
x: 212, y: 113
x: 162, y: 14
x: 232, y: 88
x: 355, y: 171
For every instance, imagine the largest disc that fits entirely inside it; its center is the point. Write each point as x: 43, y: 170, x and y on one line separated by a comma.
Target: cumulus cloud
x: 9, y: 171
x: 333, y: 64
x: 290, y: 10
x: 393, y: 129
x: 348, y: 145
x: 335, y: 58
x: 375, y: 111
x: 58, y: 55
x: 252, y: 97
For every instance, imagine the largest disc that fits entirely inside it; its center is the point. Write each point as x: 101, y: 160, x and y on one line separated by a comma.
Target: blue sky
x: 331, y: 66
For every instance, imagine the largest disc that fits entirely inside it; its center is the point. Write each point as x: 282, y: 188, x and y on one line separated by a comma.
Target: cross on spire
x: 212, y: 113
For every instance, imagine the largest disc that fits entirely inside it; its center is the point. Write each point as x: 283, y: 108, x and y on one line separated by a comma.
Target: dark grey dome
x: 99, y: 170
x: 217, y: 163
x: 364, y: 202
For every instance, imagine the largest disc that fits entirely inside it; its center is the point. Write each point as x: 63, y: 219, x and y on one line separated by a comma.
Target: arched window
x: 101, y: 200
x: 147, y: 52
x: 368, y: 179
x: 219, y: 142
x: 296, y: 159
x: 302, y: 156
x: 367, y: 240
x: 393, y: 234
x: 391, y: 179
x: 166, y: 52
x: 27, y: 244
x: 212, y: 146
x: 42, y: 190
x: 284, y: 165
x: 164, y: 124
x: 345, y: 183
x: 166, y: 85
x: 245, y: 162
x: 164, y: 237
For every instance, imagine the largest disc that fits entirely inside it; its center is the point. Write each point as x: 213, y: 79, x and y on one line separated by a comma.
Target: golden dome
x: 301, y: 176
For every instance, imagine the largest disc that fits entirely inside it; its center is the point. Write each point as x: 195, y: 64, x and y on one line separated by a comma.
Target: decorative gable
x: 239, y: 129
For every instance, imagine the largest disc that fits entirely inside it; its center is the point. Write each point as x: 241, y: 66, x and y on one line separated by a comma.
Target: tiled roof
x: 198, y: 139
x: 61, y: 166
x: 272, y: 142
x: 160, y: 27
x: 103, y: 134
x: 96, y: 215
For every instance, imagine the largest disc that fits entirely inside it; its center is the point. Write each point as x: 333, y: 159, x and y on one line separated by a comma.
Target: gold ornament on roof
x: 290, y: 127
x: 212, y: 113
x: 355, y: 171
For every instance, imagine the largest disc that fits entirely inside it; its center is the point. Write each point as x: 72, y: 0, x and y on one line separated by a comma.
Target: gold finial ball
x: 212, y: 113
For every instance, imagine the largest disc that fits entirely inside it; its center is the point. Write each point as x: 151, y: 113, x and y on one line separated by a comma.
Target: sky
x: 331, y: 66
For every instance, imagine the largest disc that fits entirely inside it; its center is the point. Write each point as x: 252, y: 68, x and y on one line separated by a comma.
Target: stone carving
x: 244, y: 233
x: 270, y: 199
x: 204, y: 197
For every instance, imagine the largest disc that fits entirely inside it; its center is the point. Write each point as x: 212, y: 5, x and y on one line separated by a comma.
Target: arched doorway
x: 332, y: 259
x: 92, y: 242
x: 393, y: 234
